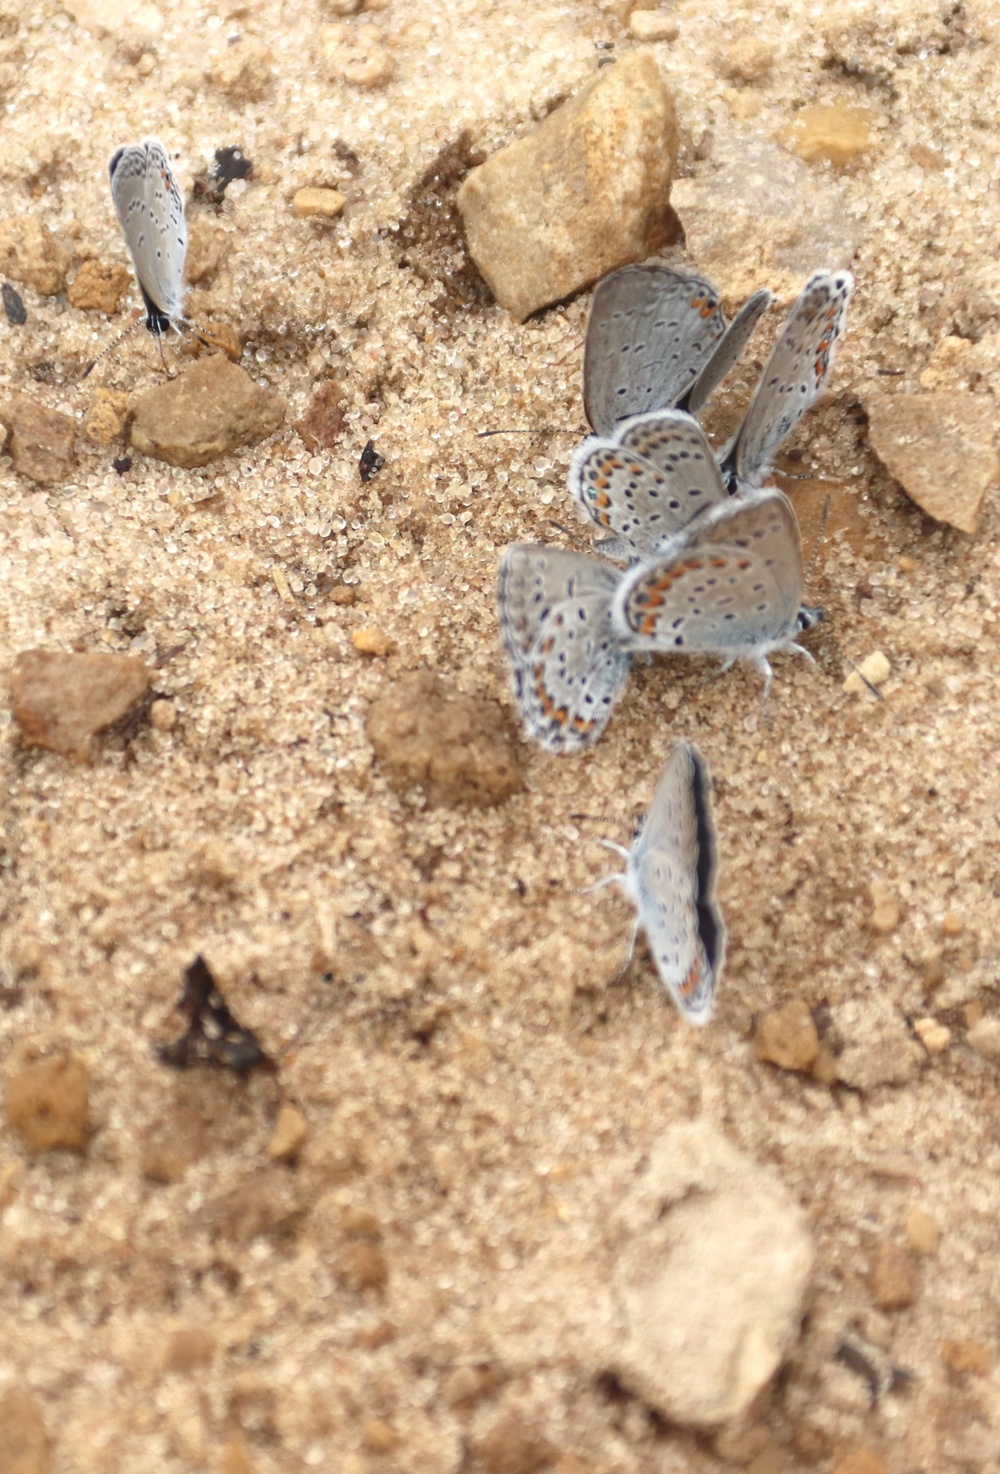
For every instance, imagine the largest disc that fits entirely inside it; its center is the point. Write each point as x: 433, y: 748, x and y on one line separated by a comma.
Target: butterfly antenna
x: 113, y: 344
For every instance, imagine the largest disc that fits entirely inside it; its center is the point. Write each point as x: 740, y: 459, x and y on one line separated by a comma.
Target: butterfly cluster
x: 697, y: 557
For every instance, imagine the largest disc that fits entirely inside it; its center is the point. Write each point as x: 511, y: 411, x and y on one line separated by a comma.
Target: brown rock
x: 31, y: 255
x: 885, y: 912
x: 833, y: 135
x: 188, y: 1348
x: 107, y: 416
x: 172, y: 1144
x: 46, y: 1103
x: 941, y: 448
x: 787, y: 1037
x: 214, y: 334
x: 748, y: 60
x: 457, y: 749
x: 323, y: 421
x: 895, y: 1278
x: 356, y: 55
x: 99, y: 286
x: 25, y: 1447
x: 513, y: 1445
x: 860, y: 1461
x: 244, y: 71
x: 359, y: 1223
x: 587, y: 192
x: 289, y: 1135
x: 325, y: 203
x: 209, y: 409
x: 60, y: 701
x: 966, y: 1356
x: 41, y: 440
x: 361, y: 1265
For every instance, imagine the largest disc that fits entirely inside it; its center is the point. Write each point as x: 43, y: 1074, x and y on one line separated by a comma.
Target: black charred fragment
x: 229, y: 163
x: 17, y: 313
x: 370, y: 463
x: 871, y: 1364
x: 213, y: 1035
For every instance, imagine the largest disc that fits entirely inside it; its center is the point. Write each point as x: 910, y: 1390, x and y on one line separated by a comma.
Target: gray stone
x: 587, y: 192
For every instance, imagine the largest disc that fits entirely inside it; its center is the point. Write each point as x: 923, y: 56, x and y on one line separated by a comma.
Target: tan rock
x: 586, y: 192
x: 984, y: 1037
x: 40, y: 440
x: 787, y: 1037
x: 244, y: 71
x: 31, y: 255
x: 941, y: 448
x: 875, y: 669
x: 378, y: 1435
x: 188, y: 1349
x: 966, y: 1357
x: 748, y: 60
x: 210, y: 408
x: 922, y: 1232
x: 860, y: 1461
x: 25, y: 1446
x: 289, y: 1135
x: 878, y: 1047
x: 107, y: 416
x: 712, y: 1261
x: 46, y: 1103
x: 322, y: 202
x: 361, y: 1265
x: 456, y: 749
x: 886, y: 912
x: 895, y: 1278
x: 466, y: 1385
x: 99, y: 286
x: 514, y: 1444
x: 833, y: 135
x: 60, y: 701
x: 653, y: 25
x: 934, y: 1036
x: 372, y: 642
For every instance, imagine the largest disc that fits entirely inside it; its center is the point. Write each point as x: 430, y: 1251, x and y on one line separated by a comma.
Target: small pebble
x: 894, y: 1278
x: 748, y: 60
x: 289, y: 1135
x: 922, y: 1233
x: 966, y: 1356
x: 934, y: 1036
x: 833, y: 135
x: 361, y: 1265
x: 99, y: 286
x: 787, y: 1037
x: 322, y: 202
x: 107, y: 416
x: 860, y: 1461
x: 940, y: 447
x: 321, y: 425
x: 25, y: 1445
x: 984, y: 1038
x: 209, y: 409
x: 466, y: 1385
x: 356, y: 55
x: 378, y: 1436
x: 13, y: 306
x: 885, y: 908
x: 874, y: 668
x: 172, y: 1144
x: 31, y: 255
x: 244, y: 70
x: 47, y: 1103
x: 952, y: 924
x: 163, y: 715
x: 188, y: 1348
x: 653, y: 25
x: 513, y: 1444
x: 372, y: 642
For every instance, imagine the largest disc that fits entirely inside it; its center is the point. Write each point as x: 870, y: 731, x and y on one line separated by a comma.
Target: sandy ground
x: 438, y: 993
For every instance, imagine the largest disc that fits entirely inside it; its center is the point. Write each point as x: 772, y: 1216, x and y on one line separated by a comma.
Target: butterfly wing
x: 671, y: 873
x: 649, y: 332
x: 555, y: 618
x: 150, y: 211
x: 729, y: 585
x: 647, y: 480
x: 727, y: 350
x: 794, y: 375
